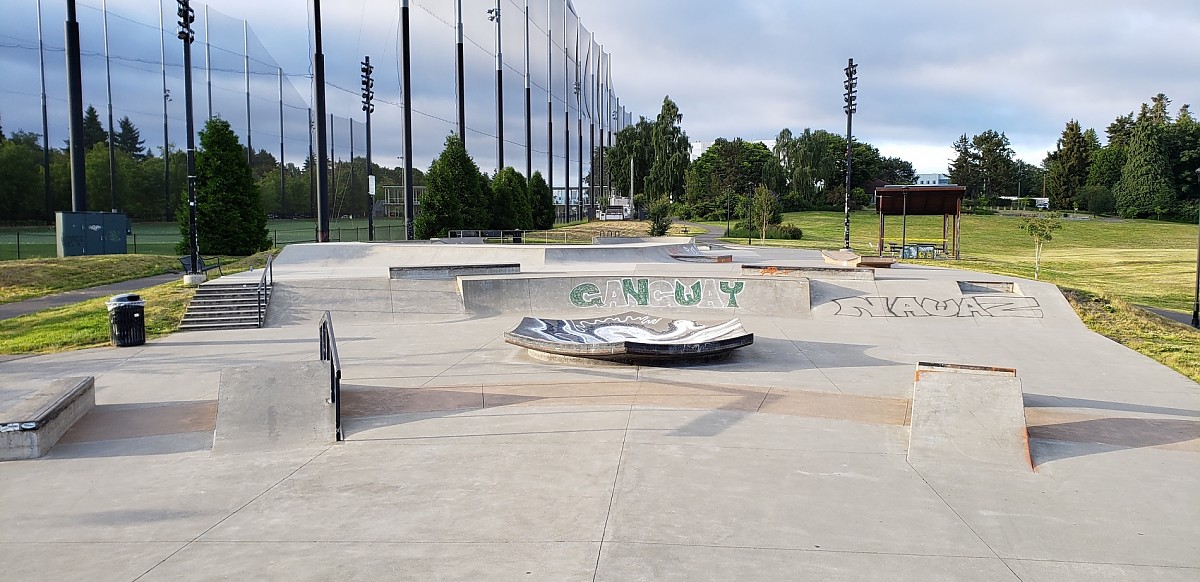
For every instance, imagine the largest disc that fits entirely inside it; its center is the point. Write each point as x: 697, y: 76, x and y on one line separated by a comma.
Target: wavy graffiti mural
x: 629, y: 336
x: 975, y: 306
x: 666, y: 293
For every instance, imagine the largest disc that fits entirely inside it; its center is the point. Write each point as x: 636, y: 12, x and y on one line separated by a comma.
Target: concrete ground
x: 466, y: 459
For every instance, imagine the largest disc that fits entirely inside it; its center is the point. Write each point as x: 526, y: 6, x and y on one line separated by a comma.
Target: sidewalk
x: 18, y: 308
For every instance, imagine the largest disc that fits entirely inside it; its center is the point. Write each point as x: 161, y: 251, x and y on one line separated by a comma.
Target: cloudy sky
x: 929, y: 70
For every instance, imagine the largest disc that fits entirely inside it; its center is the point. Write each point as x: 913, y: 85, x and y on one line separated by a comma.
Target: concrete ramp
x: 274, y: 407
x: 969, y: 416
x: 704, y: 297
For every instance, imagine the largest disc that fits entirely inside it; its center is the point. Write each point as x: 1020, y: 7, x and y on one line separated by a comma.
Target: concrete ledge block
x: 33, y: 419
x: 836, y: 273
x: 442, y: 272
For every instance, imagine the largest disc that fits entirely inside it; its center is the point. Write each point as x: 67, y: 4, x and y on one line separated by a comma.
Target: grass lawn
x: 1140, y: 261
x: 29, y: 278
x: 85, y: 324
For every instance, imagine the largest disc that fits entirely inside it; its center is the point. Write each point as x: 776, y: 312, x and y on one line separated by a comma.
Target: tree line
x: 1147, y: 168
x: 141, y: 176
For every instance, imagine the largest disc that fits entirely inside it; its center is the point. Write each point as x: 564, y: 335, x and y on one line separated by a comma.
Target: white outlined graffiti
x: 975, y: 306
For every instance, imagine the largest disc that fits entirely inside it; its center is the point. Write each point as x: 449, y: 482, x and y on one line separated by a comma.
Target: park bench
x: 206, y: 264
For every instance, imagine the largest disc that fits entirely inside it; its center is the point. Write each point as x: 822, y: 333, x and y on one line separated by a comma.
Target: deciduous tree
x: 1041, y: 228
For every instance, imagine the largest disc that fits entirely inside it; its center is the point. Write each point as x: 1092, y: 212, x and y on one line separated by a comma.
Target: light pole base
x: 194, y: 280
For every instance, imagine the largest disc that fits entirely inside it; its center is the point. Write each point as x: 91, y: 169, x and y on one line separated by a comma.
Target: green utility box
x: 91, y: 233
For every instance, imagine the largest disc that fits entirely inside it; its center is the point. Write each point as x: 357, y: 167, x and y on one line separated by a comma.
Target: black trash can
x: 126, y: 319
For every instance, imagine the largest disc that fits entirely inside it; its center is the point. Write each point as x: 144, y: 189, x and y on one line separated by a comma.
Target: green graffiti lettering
x: 683, y: 298
x: 641, y: 295
x: 733, y: 291
x: 579, y: 295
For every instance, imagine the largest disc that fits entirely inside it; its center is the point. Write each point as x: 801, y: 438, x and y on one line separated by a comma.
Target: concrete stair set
x: 223, y: 306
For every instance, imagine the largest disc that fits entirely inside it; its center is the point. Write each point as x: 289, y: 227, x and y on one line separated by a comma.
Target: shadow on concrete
x: 170, y: 444
x: 1100, y: 435
x: 158, y: 428
x: 1046, y: 401
x: 838, y: 355
x: 239, y: 342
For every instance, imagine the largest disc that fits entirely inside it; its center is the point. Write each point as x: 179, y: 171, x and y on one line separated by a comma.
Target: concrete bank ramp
x: 274, y: 407
x: 970, y: 416
x: 704, y: 296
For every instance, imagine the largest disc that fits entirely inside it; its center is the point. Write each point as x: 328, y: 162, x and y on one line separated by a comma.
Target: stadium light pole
x: 462, y: 106
x: 851, y: 106
x: 368, y: 96
x: 494, y: 16
x: 186, y: 17
x: 75, y: 104
x: 406, y: 93
x: 322, y: 129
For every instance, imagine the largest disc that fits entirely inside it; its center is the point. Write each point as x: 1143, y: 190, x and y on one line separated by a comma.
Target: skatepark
x: 907, y: 423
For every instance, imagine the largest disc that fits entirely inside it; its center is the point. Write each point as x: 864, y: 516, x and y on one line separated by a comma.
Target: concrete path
x: 1181, y: 317
x: 18, y: 308
x: 466, y: 459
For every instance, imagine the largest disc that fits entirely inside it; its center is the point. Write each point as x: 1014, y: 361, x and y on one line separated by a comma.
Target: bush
x: 660, y: 217
x: 774, y: 232
x: 1098, y: 199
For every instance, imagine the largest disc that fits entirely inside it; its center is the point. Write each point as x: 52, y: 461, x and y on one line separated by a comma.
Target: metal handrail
x: 264, y: 286
x: 329, y: 354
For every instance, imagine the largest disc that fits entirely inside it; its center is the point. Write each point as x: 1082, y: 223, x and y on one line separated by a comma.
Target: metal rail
x: 264, y: 289
x: 329, y: 354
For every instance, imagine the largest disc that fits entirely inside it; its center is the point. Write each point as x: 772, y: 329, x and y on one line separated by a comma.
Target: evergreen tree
x: 510, y: 201
x: 1105, y: 169
x: 230, y: 219
x: 453, y: 193
x: 93, y: 130
x: 542, y: 201
x: 1145, y: 186
x: 1119, y: 130
x: 128, y: 139
x: 1069, y: 169
x: 1182, y: 141
x: 965, y: 170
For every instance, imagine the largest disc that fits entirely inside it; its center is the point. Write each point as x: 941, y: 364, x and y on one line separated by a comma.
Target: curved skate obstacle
x: 630, y: 337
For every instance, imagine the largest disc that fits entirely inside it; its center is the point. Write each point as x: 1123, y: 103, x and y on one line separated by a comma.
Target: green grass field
x: 1140, y: 261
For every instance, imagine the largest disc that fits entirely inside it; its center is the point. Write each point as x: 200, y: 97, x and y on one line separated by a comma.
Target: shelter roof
x: 919, y: 200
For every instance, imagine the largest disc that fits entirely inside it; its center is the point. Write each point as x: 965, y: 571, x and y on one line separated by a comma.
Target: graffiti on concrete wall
x: 974, y: 306
x: 663, y: 293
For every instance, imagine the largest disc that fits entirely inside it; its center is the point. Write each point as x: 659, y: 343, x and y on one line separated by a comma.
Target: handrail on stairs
x: 264, y: 289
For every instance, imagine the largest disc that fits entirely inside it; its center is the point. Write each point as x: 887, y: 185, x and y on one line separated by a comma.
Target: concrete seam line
x: 234, y: 512
x: 612, y: 498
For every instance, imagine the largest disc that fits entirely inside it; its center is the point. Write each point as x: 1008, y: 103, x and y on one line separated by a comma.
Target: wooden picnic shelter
x: 905, y: 201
